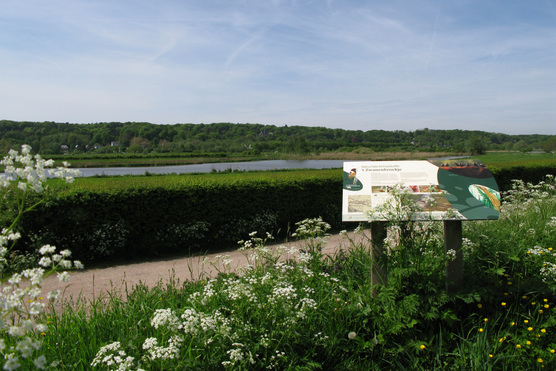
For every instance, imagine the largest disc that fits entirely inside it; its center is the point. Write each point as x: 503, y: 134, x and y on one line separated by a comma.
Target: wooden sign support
x: 379, y: 273
x: 452, y: 248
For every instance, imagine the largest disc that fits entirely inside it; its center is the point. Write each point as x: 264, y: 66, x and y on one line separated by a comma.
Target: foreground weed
x: 22, y: 304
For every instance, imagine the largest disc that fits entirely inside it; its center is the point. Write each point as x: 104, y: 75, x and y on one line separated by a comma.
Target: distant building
x: 114, y: 144
x: 64, y: 148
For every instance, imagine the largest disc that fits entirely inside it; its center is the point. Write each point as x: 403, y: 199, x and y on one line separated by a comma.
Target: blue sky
x: 394, y: 65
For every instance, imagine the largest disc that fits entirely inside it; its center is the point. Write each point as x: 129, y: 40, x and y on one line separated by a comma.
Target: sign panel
x: 459, y: 189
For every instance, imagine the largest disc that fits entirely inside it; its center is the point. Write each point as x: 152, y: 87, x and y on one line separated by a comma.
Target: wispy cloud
x: 351, y: 64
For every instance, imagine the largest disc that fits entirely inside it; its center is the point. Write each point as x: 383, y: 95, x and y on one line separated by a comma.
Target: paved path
x: 96, y: 283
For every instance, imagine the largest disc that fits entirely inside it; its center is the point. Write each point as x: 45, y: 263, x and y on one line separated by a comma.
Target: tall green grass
x: 505, y: 159
x: 297, y: 309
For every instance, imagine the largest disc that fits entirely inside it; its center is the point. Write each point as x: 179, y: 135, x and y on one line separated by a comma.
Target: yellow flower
x: 479, y: 305
x: 486, y: 319
x: 529, y: 329
x: 481, y: 330
x: 547, y: 306
x: 539, y: 360
x: 533, y: 303
x: 543, y: 330
x: 506, y: 294
x: 490, y: 356
x: 524, y: 297
x: 528, y: 342
x: 509, y: 282
x: 545, y: 300
x: 513, y: 323
x: 526, y: 320
x: 552, y: 351
x: 518, y: 346
x: 422, y: 346
x: 503, y: 304
x: 540, y: 311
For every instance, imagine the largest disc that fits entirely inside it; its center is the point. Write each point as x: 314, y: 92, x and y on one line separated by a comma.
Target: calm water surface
x: 222, y: 166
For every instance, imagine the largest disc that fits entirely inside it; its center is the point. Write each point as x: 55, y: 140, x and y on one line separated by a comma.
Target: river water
x: 221, y: 166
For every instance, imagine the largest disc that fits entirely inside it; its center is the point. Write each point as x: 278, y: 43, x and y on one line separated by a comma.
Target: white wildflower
x: 165, y: 318
x: 113, y: 355
x: 16, y: 331
x: 15, y: 279
x: 12, y: 362
x: 40, y: 362
x: 47, y: 249
x: 63, y: 276
x: 45, y: 261
x: 53, y: 295
x: 451, y: 254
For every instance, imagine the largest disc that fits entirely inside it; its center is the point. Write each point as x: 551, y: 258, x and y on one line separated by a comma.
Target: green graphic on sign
x: 470, y: 188
x: 351, y: 183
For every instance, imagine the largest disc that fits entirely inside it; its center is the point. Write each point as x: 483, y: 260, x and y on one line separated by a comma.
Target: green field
x: 505, y: 159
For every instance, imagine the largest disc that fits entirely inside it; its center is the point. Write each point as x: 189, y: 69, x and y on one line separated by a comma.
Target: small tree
x: 476, y: 145
x: 550, y: 145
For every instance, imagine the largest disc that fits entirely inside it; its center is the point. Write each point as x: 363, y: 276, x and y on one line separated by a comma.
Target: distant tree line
x: 144, y: 137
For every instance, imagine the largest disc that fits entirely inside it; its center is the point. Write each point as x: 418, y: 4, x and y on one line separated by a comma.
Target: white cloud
x: 390, y: 65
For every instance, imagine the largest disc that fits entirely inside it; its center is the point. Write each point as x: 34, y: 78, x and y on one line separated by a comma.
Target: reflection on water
x: 222, y: 166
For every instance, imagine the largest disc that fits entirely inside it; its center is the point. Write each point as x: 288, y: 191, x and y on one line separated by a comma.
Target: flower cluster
x: 113, y: 357
x: 159, y: 352
x: 21, y: 301
x: 245, y: 317
x: 545, y: 258
x: 237, y: 354
x: 311, y: 228
x: 524, y: 195
x: 30, y: 172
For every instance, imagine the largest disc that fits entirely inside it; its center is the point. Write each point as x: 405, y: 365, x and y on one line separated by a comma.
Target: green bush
x: 529, y: 173
x: 135, y: 217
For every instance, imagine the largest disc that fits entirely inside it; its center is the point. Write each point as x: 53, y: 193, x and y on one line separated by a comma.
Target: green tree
x: 476, y: 145
x: 550, y: 145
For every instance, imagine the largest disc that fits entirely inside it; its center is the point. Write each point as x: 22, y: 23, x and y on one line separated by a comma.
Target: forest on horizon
x: 144, y: 137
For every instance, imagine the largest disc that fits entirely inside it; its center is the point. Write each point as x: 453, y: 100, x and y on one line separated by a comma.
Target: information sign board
x: 458, y: 189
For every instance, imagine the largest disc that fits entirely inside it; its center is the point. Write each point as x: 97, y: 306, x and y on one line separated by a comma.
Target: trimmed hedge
x: 138, y: 217
x: 532, y: 173
x: 147, y: 216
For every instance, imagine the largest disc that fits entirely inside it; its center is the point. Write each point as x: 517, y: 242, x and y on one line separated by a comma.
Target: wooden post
x: 452, y: 248
x: 379, y: 270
